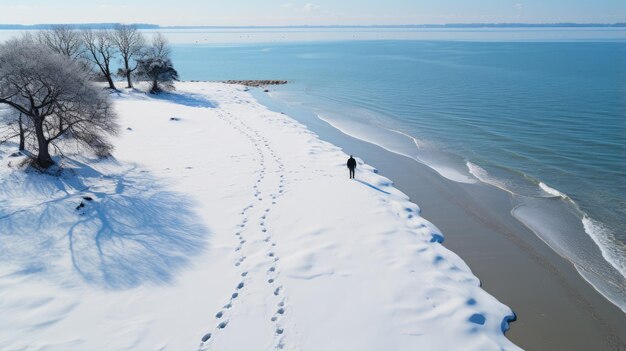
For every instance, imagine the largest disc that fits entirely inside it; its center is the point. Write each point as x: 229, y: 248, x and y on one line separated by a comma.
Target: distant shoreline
x: 406, y: 26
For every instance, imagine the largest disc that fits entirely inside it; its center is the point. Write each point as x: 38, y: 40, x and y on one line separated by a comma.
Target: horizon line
x: 106, y: 25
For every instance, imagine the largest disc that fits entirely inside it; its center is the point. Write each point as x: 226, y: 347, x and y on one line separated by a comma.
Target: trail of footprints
x: 243, y: 230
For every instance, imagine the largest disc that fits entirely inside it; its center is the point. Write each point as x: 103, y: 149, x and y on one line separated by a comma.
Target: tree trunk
x: 107, y: 74
x: 130, y: 83
x: 155, y: 86
x: 43, y: 155
x: 110, y: 80
x: 22, y: 142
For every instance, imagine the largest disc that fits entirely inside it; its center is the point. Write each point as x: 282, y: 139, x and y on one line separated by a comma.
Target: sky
x: 310, y: 12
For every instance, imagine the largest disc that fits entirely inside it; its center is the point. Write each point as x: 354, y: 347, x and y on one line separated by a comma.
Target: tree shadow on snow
x: 186, y: 99
x: 129, y: 231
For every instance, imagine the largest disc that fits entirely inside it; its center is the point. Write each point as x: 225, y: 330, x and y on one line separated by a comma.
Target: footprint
x: 206, y: 337
x: 277, y: 291
x: 270, y: 281
x: 219, y: 314
x: 240, y: 285
x: 279, y: 331
x: 281, y: 311
x: 244, y: 274
x: 222, y: 325
x: 234, y: 295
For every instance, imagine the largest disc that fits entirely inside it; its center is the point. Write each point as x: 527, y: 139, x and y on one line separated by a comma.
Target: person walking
x: 351, y: 166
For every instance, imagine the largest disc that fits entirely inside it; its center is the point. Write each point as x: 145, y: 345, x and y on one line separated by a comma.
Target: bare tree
x: 16, y: 126
x: 100, y: 50
x: 156, y: 66
x: 131, y: 44
x: 63, y: 40
x: 160, y: 47
x: 57, y: 97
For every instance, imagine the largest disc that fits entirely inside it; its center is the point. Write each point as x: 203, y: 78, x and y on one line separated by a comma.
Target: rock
x: 88, y: 198
x: 256, y: 83
x: 129, y: 128
x: 82, y: 204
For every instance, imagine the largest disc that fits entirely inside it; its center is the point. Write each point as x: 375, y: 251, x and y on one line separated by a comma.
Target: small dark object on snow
x: 351, y: 166
x: 266, y: 90
x: 129, y: 128
x: 206, y: 337
x: 82, y: 204
x: 88, y: 198
x: 174, y: 119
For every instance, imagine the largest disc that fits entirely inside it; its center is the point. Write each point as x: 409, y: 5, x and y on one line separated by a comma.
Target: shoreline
x: 498, y: 248
x: 571, y: 231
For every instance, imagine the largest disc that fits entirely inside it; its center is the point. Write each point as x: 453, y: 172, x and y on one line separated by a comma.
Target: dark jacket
x: 351, y: 163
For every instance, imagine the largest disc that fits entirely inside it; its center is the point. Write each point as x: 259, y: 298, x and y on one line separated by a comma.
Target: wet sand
x: 556, y: 308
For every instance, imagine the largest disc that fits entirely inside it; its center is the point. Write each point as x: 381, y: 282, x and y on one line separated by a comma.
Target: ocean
x: 543, y: 118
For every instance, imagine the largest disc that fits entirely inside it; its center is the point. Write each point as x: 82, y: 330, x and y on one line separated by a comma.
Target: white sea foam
x: 415, y: 141
x: 612, y: 249
x: 552, y: 191
x: 482, y: 175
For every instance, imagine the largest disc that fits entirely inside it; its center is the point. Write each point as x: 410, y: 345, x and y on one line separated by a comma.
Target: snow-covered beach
x: 221, y: 225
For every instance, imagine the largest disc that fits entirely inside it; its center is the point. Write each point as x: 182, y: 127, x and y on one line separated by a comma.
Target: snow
x: 217, y: 216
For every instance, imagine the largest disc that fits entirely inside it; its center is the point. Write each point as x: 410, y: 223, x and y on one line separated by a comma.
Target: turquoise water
x: 544, y: 120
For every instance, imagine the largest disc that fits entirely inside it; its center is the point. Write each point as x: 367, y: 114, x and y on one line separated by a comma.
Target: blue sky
x: 313, y: 12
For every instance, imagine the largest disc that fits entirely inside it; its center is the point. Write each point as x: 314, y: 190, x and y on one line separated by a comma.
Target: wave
x: 612, y: 249
x: 482, y: 175
x: 552, y: 191
x: 548, y: 226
